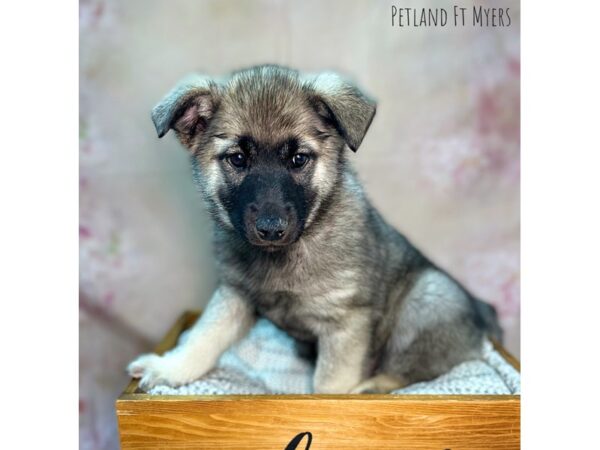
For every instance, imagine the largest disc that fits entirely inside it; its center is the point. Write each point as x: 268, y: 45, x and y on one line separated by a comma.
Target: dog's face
x: 268, y: 145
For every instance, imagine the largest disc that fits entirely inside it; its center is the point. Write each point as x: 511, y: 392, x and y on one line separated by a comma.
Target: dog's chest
x: 300, y: 316
x: 304, y: 296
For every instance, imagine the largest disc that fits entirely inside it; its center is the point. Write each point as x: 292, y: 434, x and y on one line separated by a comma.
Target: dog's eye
x: 238, y: 160
x: 299, y: 160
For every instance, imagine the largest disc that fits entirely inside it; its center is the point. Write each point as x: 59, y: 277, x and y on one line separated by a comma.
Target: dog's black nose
x: 271, y: 227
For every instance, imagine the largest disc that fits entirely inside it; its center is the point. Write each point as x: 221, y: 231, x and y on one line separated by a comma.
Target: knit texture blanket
x: 267, y: 362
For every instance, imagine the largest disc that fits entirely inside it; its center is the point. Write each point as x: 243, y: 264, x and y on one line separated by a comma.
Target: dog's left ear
x: 188, y: 108
x: 342, y: 105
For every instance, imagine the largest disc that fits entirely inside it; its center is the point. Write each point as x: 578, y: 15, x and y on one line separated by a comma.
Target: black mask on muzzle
x: 269, y: 209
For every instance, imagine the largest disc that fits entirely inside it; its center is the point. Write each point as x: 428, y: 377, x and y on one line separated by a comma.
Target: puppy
x: 297, y: 241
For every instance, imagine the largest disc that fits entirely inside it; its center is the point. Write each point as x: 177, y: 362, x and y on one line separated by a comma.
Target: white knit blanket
x: 266, y: 362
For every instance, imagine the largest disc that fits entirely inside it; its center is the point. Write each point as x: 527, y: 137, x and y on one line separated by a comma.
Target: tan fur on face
x: 325, y: 174
x: 271, y: 105
x: 249, y: 106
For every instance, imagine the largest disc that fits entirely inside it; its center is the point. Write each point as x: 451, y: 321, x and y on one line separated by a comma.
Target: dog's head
x: 268, y: 145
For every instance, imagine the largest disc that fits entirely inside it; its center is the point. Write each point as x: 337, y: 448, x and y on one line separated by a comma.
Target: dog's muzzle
x: 270, y: 224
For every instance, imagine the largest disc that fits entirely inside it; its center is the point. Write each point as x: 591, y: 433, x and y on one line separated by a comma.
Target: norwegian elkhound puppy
x: 297, y: 241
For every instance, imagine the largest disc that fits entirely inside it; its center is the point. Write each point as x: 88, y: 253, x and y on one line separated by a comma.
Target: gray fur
x: 351, y: 284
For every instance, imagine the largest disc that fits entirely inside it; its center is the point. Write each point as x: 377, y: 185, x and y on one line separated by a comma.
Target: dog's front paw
x: 154, y: 370
x: 151, y: 369
x: 139, y: 365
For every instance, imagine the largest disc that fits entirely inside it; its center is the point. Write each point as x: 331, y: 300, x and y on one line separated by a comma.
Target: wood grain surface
x: 338, y: 422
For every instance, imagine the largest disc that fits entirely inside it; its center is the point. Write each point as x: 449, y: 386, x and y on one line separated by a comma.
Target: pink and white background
x: 441, y: 160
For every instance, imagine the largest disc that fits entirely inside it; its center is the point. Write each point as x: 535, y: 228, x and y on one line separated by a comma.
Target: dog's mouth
x: 271, y: 246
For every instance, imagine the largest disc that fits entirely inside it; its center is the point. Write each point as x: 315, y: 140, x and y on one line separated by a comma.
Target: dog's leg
x: 341, y: 357
x: 380, y: 384
x: 227, y: 318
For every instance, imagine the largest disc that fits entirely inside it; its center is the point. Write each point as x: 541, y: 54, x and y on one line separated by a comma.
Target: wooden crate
x: 333, y: 421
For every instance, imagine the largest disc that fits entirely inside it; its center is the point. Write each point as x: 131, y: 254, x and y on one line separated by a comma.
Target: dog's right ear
x: 188, y: 108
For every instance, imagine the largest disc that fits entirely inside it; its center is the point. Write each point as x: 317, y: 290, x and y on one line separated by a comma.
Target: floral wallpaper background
x: 441, y: 160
